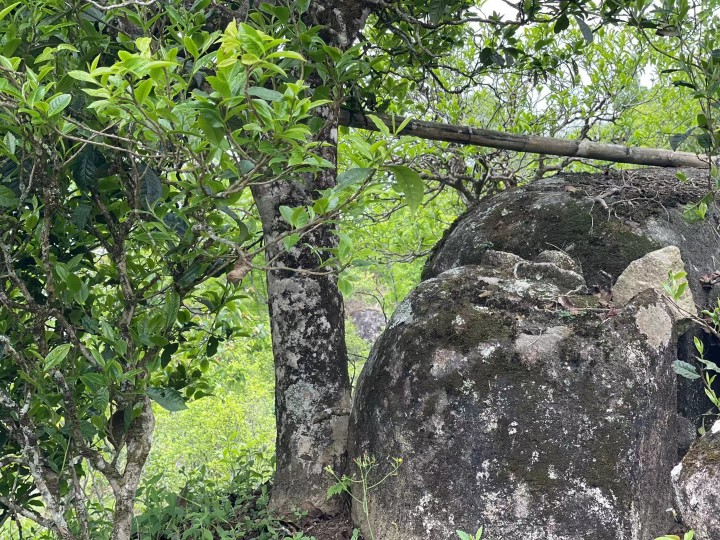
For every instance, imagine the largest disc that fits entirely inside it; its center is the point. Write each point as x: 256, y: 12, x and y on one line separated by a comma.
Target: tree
x: 133, y: 137
x: 406, y: 45
x: 115, y: 215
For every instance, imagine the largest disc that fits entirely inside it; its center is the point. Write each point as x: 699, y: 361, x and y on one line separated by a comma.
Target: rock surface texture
x: 604, y: 223
x: 697, y: 486
x: 649, y: 272
x: 514, y: 413
x: 369, y: 321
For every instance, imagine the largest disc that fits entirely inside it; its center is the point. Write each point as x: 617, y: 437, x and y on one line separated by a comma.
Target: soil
x: 327, y: 527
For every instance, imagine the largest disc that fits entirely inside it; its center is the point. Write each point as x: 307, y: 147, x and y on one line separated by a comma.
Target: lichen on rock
x: 650, y: 272
x: 696, y: 481
x: 512, y: 415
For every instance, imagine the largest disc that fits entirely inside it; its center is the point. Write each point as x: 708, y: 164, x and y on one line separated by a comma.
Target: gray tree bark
x: 139, y: 441
x: 312, y: 386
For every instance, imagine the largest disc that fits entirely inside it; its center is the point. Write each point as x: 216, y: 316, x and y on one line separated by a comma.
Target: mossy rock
x: 603, y: 222
x: 511, y: 416
x: 697, y: 486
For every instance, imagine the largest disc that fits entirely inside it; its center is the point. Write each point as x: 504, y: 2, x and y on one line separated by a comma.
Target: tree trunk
x: 312, y: 387
x: 307, y: 318
x: 139, y: 442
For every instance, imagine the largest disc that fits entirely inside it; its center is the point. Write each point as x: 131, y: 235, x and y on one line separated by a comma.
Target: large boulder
x: 522, y: 404
x: 368, y: 319
x: 604, y: 222
x: 696, y: 481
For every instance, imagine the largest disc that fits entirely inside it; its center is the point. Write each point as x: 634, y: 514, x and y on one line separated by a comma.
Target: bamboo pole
x: 529, y: 143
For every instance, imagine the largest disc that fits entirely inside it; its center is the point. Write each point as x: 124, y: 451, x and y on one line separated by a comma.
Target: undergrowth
x: 205, y: 509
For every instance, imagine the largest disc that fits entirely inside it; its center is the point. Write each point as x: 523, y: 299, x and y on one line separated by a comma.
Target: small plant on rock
x: 466, y: 536
x: 367, y: 469
x: 675, y: 287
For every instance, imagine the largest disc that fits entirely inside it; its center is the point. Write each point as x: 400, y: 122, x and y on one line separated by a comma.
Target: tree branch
x: 530, y: 143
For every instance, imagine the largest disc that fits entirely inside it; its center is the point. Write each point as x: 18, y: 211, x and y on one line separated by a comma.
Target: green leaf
x: 436, y: 10
x: 685, y: 370
x: 287, y: 213
x: 676, y: 290
x: 175, y: 223
x: 58, y: 104
x: 290, y: 240
x: 10, y: 142
x: 245, y: 166
x: 705, y: 140
x: 561, y: 24
x: 212, y: 126
x: 191, y: 46
x: 74, y: 283
x: 463, y: 535
x: 292, y: 55
x: 710, y: 366
x: 264, y: 93
x: 410, y: 184
x: 677, y: 139
x: 281, y: 12
x: 57, y: 355
x: 171, y: 307
x: 251, y: 41
x: 345, y: 285
x: 353, y: 176
x: 7, y: 197
x: 80, y: 215
x: 335, y: 489
x: 585, y: 30
x: 344, y: 246
x: 168, y: 398
x: 168, y: 351
x: 94, y: 381
x: 699, y: 345
x: 150, y: 188
x: 380, y: 125
x: 83, y: 76
x: 142, y: 90
x: 66, y: 47
x: 89, y: 167
x: 212, y: 346
x: 8, y: 9
x: 403, y: 124
x: 680, y: 82
x: 302, y: 6
x: 694, y: 213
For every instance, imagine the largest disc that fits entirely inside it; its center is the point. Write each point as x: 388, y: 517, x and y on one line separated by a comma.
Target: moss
x: 533, y: 222
x: 527, y: 230
x: 465, y: 327
x: 598, y: 244
x: 703, y: 454
x: 532, y: 461
x: 614, y: 247
x: 584, y: 301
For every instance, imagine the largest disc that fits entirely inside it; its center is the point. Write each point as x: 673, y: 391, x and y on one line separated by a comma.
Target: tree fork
x: 534, y: 144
